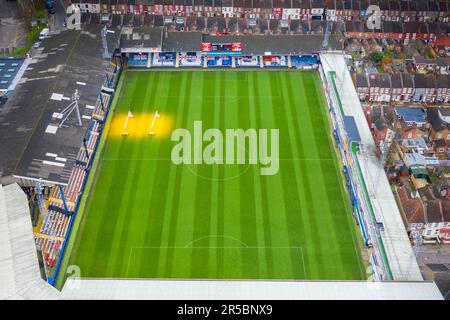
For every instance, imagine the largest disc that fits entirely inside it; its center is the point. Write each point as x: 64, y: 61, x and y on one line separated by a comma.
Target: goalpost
x: 129, y: 115
x: 152, y: 126
x: 155, y: 116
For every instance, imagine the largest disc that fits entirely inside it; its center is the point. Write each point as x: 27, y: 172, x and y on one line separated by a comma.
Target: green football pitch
x: 146, y: 217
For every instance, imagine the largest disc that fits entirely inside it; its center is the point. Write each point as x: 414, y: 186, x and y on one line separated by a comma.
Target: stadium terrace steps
x: 61, y: 207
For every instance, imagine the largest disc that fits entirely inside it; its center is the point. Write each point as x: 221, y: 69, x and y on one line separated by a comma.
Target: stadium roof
x: 182, y: 41
x: 64, y: 62
x: 277, y: 44
x: 141, y: 38
x: 20, y: 275
x: 132, y: 289
x: 351, y: 129
x: 113, y: 39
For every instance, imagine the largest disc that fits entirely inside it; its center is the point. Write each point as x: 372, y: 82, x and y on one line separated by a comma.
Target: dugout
x: 353, y: 137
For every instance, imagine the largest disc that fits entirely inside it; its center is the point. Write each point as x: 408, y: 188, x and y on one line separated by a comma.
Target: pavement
x: 12, y: 30
x: 8, y: 9
x: 434, y: 254
x: 56, y: 21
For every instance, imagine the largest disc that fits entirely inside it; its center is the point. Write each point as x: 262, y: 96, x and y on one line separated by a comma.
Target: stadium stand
x: 304, y: 62
x: 214, y: 61
x: 164, y: 59
x: 247, y: 61
x: 137, y: 59
x: 190, y: 59
x: 163, y: 48
x: 62, y: 206
x: 275, y: 61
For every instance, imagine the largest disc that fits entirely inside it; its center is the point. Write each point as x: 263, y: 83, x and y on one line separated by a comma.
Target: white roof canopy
x: 240, y: 290
x: 20, y: 276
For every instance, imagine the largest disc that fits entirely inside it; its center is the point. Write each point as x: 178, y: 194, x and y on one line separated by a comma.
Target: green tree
x: 376, y: 56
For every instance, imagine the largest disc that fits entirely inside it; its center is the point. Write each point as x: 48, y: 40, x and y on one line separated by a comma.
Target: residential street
x: 12, y: 31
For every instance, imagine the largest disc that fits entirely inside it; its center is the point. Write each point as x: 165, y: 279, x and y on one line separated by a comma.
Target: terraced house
x: 334, y: 10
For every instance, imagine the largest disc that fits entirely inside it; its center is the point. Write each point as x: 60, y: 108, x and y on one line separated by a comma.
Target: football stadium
x: 166, y: 165
x: 147, y: 217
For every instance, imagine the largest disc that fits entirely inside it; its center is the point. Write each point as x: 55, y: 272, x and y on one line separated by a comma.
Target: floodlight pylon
x: 72, y: 107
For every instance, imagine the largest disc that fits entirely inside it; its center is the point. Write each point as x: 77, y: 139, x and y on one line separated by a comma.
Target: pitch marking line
x: 217, y: 247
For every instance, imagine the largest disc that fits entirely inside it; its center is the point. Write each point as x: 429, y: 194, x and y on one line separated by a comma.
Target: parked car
x: 44, y: 33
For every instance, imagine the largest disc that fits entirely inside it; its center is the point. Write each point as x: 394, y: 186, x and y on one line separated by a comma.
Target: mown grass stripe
x: 215, y: 182
x: 157, y: 204
x: 232, y: 228
x: 182, y: 252
x: 132, y: 259
x: 138, y: 226
x: 127, y: 213
x: 320, y: 192
x: 200, y: 256
x: 306, y: 149
x: 181, y: 123
x: 283, y: 265
x: 266, y: 272
x: 326, y: 176
x: 108, y: 214
x: 221, y: 190
x: 171, y: 193
x: 295, y: 192
x: 250, y: 261
x: 258, y: 208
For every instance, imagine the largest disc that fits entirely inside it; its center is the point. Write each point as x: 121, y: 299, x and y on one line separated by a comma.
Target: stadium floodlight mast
x: 73, y: 106
x: 129, y: 115
x: 155, y: 116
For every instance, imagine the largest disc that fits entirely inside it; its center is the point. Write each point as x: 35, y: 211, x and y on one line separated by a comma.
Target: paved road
x: 60, y: 13
x: 56, y: 21
x: 12, y: 31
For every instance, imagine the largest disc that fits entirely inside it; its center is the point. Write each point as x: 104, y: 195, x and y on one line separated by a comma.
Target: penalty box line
x: 218, y: 247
